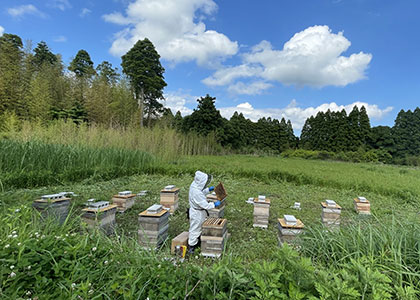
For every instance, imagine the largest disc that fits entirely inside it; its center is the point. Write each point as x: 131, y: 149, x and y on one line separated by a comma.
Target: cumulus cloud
x: 60, y: 4
x: 298, y: 115
x: 176, y: 28
x: 85, y: 11
x: 29, y: 9
x: 176, y: 102
x: 60, y: 39
x: 312, y: 57
x: 253, y: 88
x: 1, y: 30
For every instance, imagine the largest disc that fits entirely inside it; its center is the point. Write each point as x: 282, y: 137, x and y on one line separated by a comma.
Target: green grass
x: 36, y: 164
x: 374, y: 258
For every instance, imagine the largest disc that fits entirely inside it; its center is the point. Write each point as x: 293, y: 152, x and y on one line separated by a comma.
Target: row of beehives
x: 289, y: 227
x: 153, y: 222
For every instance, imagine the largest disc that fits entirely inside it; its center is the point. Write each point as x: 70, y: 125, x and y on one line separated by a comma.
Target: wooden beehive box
x: 362, y: 207
x: 218, y: 212
x: 213, y: 246
x: 220, y: 191
x: 180, y: 240
x: 261, y: 212
x: 103, y: 218
x: 287, y: 232
x: 330, y: 214
x: 153, y: 228
x: 124, y: 202
x: 169, y: 199
x: 57, y: 209
x: 214, y: 227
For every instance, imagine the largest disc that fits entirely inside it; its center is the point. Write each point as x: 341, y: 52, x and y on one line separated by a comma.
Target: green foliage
x: 142, y: 66
x: 82, y: 65
x: 43, y: 55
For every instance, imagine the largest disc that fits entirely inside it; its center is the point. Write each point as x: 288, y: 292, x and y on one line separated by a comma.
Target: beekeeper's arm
x: 208, y: 190
x: 201, y: 201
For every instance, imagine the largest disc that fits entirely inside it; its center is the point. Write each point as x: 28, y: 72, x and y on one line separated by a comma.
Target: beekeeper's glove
x: 211, y: 188
x: 216, y: 204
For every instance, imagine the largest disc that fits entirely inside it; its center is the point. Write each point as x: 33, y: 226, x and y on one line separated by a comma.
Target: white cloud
x: 85, y: 11
x: 29, y: 9
x: 60, y: 4
x: 298, y: 115
x: 60, y: 39
x: 175, y: 27
x: 311, y: 57
x: 253, y: 88
x: 176, y: 102
x: 1, y: 30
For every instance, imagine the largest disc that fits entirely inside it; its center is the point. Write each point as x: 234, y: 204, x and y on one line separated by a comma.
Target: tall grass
x: 27, y: 164
x: 392, y: 245
x: 165, y: 143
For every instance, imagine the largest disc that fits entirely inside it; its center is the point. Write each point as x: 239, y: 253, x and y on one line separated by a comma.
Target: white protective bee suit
x: 198, y: 206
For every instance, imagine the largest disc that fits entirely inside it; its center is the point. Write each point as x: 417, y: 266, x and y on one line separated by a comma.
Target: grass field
x: 375, y: 258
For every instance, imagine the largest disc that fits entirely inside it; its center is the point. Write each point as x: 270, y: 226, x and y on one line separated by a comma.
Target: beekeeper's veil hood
x: 202, y: 180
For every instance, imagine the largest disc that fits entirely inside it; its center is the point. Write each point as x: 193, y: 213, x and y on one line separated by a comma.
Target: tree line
x: 36, y: 85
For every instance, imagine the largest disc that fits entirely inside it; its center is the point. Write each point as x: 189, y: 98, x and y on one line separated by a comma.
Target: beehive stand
x: 218, y: 212
x: 54, y: 206
x: 331, y: 213
x: 169, y: 198
x: 261, y: 212
x: 124, y: 201
x: 287, y: 231
x: 102, y: 218
x: 362, y: 206
x: 153, y: 228
x: 213, y: 237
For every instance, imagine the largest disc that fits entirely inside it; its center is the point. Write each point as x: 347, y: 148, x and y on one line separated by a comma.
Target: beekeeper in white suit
x: 198, y: 207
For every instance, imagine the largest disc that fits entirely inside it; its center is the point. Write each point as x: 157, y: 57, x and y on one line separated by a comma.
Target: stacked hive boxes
x: 153, y: 227
x: 218, y: 212
x: 55, y: 206
x: 289, y: 228
x: 169, y: 197
x: 261, y: 211
x: 331, y: 213
x: 362, y: 205
x: 100, y: 215
x: 124, y: 200
x: 213, y: 237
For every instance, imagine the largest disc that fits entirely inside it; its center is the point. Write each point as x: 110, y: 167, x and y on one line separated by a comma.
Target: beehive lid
x: 357, y: 200
x: 52, y: 198
x: 220, y: 191
x: 172, y: 190
x: 148, y: 214
x: 124, y: 193
x: 102, y: 209
x: 214, y: 222
x: 299, y: 224
x: 258, y: 200
x: 154, y: 209
x: 290, y: 219
x: 362, y: 199
x: 325, y: 205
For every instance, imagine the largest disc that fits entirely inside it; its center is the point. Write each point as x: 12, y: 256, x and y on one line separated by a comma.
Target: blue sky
x: 264, y: 58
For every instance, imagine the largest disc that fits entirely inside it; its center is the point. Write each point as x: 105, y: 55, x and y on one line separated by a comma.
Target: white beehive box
x: 362, y: 199
x: 169, y: 187
x: 154, y: 209
x: 52, y: 197
x: 330, y: 203
x: 124, y: 193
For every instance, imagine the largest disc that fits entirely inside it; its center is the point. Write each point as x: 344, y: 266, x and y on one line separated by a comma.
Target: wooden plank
x: 283, y: 224
x: 324, y: 205
x: 51, y: 201
x: 125, y: 196
x: 267, y: 201
x: 180, y: 240
x: 147, y: 214
x: 106, y: 208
